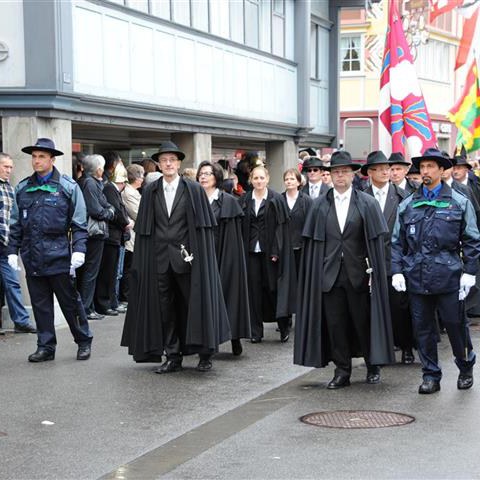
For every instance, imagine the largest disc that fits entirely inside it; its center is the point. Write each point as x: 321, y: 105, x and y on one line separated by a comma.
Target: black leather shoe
x: 25, y: 329
x: 95, y: 316
x: 465, y: 381
x: 170, y: 366
x: 373, y: 375
x: 111, y: 312
x: 284, y: 335
x: 407, y: 356
x: 84, y: 352
x: 429, y: 386
x: 237, y: 347
x: 41, y: 355
x: 256, y: 340
x: 204, y: 365
x: 338, y: 381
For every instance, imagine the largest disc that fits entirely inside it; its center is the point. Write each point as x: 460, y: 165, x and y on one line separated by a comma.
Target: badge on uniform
x: 412, y: 229
x: 25, y: 211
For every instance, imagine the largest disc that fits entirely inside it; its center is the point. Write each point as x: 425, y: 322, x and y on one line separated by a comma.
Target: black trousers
x: 87, y: 274
x: 125, y: 280
x: 41, y: 291
x: 174, y: 298
x: 401, y: 318
x: 262, y: 299
x: 347, y: 317
x: 107, y: 278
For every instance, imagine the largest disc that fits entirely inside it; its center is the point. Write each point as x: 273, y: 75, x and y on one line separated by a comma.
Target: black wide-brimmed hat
x: 374, y: 158
x: 460, y: 158
x: 168, y: 147
x: 342, y: 159
x: 433, y: 154
x: 44, y: 145
x: 313, y: 162
x: 413, y: 170
x: 397, y: 158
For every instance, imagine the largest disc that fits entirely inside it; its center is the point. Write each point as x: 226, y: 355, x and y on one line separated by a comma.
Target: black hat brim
x: 365, y: 167
x: 178, y: 153
x: 353, y: 166
x: 53, y: 151
x: 446, y: 163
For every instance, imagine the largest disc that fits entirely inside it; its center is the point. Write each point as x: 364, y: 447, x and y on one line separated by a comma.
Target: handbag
x: 97, y: 228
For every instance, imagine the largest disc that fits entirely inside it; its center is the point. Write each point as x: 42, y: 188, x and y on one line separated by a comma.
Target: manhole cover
x: 357, y: 419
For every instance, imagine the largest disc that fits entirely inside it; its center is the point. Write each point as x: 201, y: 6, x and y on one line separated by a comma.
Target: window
x: 351, y: 53
x: 251, y: 23
x: 433, y: 61
x: 267, y: 25
x: 319, y: 52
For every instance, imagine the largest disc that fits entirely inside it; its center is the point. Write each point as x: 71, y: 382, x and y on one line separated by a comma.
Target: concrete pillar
x: 197, y: 147
x: 19, y: 132
x: 280, y: 155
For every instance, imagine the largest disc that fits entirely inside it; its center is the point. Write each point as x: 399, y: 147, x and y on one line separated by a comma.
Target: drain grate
x: 357, y: 419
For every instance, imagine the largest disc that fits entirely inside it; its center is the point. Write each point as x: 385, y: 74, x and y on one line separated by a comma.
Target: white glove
x: 398, y: 282
x: 467, y: 281
x: 78, y: 259
x: 13, y: 262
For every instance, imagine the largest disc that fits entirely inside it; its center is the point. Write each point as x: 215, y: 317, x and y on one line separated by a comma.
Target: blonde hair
x: 259, y: 167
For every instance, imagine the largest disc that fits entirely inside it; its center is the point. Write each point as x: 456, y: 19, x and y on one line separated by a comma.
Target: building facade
x: 214, y: 76
x: 361, y: 49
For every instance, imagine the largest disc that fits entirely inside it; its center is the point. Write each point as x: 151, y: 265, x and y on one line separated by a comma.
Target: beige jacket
x: 131, y: 198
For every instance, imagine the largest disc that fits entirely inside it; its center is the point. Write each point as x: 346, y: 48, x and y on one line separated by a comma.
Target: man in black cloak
x: 176, y: 305
x: 342, y: 310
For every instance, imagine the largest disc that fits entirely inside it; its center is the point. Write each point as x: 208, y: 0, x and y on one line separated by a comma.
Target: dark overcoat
x: 281, y: 274
x: 311, y: 336
x: 232, y: 266
x: 206, y: 322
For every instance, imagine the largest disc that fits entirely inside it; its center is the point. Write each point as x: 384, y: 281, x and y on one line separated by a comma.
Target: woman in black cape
x: 270, y: 262
x: 229, y: 251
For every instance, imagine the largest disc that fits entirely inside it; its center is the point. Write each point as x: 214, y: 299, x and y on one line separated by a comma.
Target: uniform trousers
x: 347, y: 316
x: 262, y: 298
x: 41, y: 290
x: 426, y: 335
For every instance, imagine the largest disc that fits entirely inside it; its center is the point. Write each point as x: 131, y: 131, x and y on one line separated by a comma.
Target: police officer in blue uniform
x: 435, y: 250
x: 48, y: 226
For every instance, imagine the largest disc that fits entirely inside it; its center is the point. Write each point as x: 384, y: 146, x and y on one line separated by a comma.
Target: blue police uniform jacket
x: 47, y: 223
x: 435, y: 241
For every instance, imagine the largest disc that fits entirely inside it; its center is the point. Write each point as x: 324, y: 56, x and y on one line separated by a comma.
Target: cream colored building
x: 361, y: 48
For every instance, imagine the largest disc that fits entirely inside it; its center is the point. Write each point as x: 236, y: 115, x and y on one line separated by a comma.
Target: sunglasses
x: 310, y: 170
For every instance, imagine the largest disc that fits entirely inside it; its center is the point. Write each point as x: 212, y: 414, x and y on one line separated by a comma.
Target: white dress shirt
x: 465, y: 181
x: 403, y: 184
x: 342, y: 202
x: 291, y: 201
x: 215, y: 195
x: 381, y: 195
x: 169, y: 190
x: 258, y: 204
x: 314, y: 189
x: 449, y: 181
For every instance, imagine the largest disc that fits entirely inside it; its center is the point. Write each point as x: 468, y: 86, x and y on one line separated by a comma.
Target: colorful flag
x: 466, y: 112
x: 442, y: 6
x: 404, y: 119
x: 470, y: 40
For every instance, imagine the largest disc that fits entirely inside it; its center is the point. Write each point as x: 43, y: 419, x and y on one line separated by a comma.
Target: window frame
x: 352, y: 73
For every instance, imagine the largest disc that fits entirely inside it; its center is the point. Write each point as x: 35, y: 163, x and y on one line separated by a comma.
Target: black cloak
x: 231, y: 264
x: 207, y: 322
x: 311, y: 337
x: 281, y: 274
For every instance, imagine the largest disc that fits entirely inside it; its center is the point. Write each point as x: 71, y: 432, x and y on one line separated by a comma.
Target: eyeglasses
x: 310, y: 170
x: 205, y: 174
